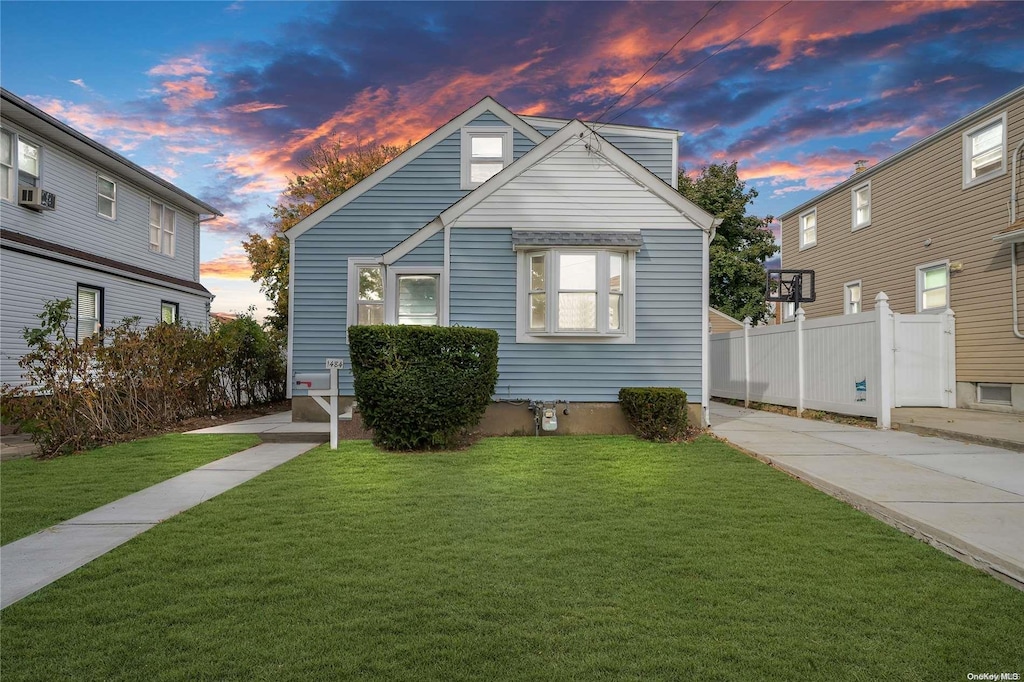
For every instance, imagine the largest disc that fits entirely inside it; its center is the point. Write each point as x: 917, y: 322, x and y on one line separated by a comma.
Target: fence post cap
x: 881, y: 301
x: 881, y: 297
x: 799, y: 313
x: 747, y: 321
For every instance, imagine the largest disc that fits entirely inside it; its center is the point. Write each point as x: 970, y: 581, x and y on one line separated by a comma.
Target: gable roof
x: 861, y: 177
x: 615, y: 156
x: 41, y: 123
x: 576, y: 129
x: 487, y: 104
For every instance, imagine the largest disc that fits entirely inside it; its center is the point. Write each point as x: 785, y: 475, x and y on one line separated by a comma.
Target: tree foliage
x: 743, y: 242
x: 331, y: 169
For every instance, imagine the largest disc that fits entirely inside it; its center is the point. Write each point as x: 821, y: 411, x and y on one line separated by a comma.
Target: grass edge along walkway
x: 520, y: 558
x: 36, y: 494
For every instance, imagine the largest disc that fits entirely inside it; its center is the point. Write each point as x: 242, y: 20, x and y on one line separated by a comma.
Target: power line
x: 695, y: 66
x: 658, y: 61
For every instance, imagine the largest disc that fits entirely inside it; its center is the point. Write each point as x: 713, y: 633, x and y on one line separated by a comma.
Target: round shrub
x: 422, y: 388
x: 655, y: 413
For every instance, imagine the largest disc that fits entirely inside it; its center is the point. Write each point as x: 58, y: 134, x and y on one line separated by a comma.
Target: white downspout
x: 1013, y: 245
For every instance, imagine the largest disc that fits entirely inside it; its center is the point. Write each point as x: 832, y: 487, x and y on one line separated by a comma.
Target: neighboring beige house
x: 720, y: 322
x: 939, y: 224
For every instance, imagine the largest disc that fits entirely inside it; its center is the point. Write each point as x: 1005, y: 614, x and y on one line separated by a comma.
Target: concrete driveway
x: 967, y: 500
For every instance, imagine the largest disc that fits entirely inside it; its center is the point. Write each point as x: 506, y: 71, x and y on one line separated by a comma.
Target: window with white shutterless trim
x: 161, y: 228
x: 933, y: 286
x: 860, y: 198
x: 169, y: 312
x: 89, y: 313
x: 575, y: 293
x: 809, y: 228
x: 20, y: 163
x: 984, y: 149
x: 486, y: 150
x: 395, y: 294
x: 106, y: 197
x: 852, y: 298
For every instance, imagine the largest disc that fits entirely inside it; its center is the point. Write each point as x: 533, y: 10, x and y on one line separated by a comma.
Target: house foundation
x: 505, y: 418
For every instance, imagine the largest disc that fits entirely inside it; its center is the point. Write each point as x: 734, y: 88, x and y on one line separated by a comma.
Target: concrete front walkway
x: 33, y: 562
x: 277, y: 427
x: 967, y: 500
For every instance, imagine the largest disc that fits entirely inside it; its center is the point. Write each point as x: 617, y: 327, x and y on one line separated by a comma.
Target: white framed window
x: 985, y: 151
x: 485, y: 151
x: 161, y: 228
x: 788, y: 311
x: 852, y: 301
x: 168, y: 312
x: 394, y: 295
x: 574, y: 294
x: 7, y: 168
x: 89, y: 312
x: 366, y: 292
x: 106, y: 197
x: 20, y: 164
x: 809, y: 228
x: 860, y: 198
x: 933, y: 286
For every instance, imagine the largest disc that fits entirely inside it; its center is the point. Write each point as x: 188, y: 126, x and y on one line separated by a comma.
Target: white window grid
x: 991, y: 157
x: 504, y: 133
x: 809, y: 228
x: 853, y: 298
x: 106, y: 197
x: 923, y: 290
x: 860, y: 199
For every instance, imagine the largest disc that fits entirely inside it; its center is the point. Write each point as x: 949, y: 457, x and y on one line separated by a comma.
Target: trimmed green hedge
x: 422, y: 388
x: 655, y: 413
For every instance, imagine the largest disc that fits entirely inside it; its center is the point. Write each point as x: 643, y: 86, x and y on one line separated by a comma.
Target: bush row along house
x: 570, y: 239
x: 80, y: 221
x: 938, y: 225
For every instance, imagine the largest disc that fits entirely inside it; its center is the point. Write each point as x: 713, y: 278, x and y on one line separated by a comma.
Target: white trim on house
x: 487, y: 104
x: 639, y: 131
x: 806, y: 244
x: 409, y: 244
x: 291, y: 318
x: 675, y: 162
x: 705, y: 325
x: 854, y: 225
x: 551, y: 334
x: 625, y: 164
x: 919, y: 277
x: 968, y: 155
x: 848, y: 297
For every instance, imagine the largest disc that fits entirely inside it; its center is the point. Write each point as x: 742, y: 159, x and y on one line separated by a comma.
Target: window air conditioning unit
x: 36, y: 198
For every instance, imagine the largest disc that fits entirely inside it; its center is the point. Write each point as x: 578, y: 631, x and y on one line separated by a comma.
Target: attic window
x: 985, y: 151
x: 485, y: 151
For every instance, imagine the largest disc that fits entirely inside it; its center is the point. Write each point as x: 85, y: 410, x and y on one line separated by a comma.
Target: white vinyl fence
x: 863, y: 364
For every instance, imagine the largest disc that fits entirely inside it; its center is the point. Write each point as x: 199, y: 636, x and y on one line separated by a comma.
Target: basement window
x: 994, y: 394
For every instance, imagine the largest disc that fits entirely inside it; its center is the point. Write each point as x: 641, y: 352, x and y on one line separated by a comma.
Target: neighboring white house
x: 80, y: 221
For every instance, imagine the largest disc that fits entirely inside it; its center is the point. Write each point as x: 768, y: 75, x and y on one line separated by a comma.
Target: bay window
x: 574, y: 292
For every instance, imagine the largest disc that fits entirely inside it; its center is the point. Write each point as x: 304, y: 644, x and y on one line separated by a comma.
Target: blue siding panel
x: 370, y: 225
x: 667, y: 351
x: 654, y: 154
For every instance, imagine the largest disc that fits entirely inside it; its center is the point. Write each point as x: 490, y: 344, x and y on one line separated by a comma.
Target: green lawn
x: 524, y: 559
x: 35, y: 494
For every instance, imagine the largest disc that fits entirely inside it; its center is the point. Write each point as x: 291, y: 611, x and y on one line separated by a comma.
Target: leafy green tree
x: 331, y: 169
x: 743, y: 242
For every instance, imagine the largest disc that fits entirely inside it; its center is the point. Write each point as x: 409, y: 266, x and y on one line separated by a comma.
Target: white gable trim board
x: 485, y: 105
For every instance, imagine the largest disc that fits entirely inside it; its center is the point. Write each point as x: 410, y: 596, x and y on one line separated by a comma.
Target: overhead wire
x: 658, y: 60
x: 694, y: 67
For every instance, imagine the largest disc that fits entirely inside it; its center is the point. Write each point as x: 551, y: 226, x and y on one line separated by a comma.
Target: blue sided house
x: 568, y: 238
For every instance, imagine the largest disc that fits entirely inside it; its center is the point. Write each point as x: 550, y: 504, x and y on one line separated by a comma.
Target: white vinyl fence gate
x: 863, y: 364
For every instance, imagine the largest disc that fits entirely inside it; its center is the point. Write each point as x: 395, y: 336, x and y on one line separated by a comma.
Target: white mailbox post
x: 331, y: 392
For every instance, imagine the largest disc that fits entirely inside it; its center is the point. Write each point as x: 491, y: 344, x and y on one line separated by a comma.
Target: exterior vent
x: 36, y: 198
x: 995, y: 394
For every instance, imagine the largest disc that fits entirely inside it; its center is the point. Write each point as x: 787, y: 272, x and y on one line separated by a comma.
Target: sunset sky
x: 224, y: 99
